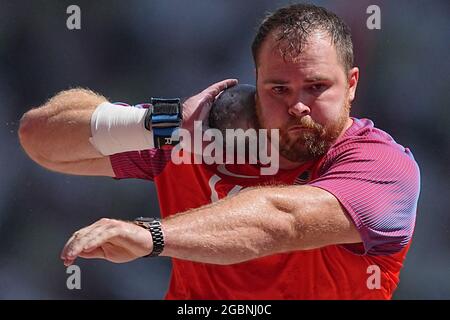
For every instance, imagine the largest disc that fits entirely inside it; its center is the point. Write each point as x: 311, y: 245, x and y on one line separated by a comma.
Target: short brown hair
x: 293, y: 25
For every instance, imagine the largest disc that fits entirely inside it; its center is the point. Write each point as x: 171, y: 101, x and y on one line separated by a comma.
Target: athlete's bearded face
x: 311, y: 140
x: 307, y: 98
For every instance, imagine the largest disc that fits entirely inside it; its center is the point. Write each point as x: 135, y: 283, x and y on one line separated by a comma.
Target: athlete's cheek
x: 325, y: 112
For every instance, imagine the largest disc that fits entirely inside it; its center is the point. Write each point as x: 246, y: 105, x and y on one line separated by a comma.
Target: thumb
x: 214, y: 89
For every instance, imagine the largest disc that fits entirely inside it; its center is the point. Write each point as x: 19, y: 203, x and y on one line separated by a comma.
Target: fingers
x: 96, y: 238
x: 76, y: 235
x: 96, y: 253
x: 87, y: 240
x: 218, y: 87
x: 210, y: 93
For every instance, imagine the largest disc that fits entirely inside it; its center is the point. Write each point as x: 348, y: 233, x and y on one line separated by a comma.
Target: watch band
x: 164, y: 118
x: 153, y: 225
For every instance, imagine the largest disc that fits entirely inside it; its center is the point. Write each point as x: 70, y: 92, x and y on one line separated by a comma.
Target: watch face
x: 144, y: 219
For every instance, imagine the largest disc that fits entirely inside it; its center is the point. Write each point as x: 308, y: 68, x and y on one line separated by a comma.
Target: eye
x: 318, y: 88
x: 280, y: 90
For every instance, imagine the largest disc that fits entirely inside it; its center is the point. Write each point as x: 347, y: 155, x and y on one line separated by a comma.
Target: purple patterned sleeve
x: 378, y: 182
x: 145, y: 164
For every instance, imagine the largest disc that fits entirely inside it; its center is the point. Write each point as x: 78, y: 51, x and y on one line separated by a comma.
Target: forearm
x: 59, y: 130
x: 57, y: 135
x: 252, y: 224
x: 243, y: 227
x: 256, y: 223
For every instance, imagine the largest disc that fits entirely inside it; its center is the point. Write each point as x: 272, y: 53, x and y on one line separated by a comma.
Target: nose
x: 299, y: 109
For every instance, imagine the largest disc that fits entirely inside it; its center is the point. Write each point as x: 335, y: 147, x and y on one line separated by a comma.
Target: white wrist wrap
x: 117, y: 129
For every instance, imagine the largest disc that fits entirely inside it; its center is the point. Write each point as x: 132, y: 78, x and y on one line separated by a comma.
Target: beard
x: 310, y: 144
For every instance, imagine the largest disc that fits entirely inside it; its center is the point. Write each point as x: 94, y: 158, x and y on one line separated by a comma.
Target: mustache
x: 307, y: 123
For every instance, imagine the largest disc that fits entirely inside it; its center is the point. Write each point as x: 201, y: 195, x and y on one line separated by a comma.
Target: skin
x: 228, y: 231
x: 56, y: 134
x: 313, y: 91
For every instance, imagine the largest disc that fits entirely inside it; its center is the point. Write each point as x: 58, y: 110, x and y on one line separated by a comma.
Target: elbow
x: 25, y: 130
x: 28, y: 134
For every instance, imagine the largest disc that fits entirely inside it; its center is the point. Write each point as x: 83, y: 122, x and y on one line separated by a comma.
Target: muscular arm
x: 56, y: 135
x: 252, y: 224
x: 257, y: 223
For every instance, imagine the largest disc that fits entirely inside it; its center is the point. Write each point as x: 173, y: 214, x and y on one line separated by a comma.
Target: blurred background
x: 132, y: 50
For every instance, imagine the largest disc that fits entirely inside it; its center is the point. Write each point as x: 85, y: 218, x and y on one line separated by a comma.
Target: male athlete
x: 335, y: 221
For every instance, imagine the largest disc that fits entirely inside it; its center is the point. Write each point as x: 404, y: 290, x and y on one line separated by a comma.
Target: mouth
x: 299, y: 129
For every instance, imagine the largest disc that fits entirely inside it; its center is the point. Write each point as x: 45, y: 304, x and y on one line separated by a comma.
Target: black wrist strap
x: 148, y: 119
x: 153, y: 225
x: 158, y: 238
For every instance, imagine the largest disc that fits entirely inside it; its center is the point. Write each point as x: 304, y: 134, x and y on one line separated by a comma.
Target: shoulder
x: 364, y: 145
x: 377, y: 181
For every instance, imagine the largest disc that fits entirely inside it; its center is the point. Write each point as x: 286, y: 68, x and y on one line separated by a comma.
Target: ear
x: 353, y: 76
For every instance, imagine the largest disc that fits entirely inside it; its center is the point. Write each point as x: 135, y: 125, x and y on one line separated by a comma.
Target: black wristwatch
x: 163, y: 118
x: 153, y: 225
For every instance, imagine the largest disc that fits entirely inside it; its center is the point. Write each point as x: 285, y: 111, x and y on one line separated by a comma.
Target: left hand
x: 113, y: 240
